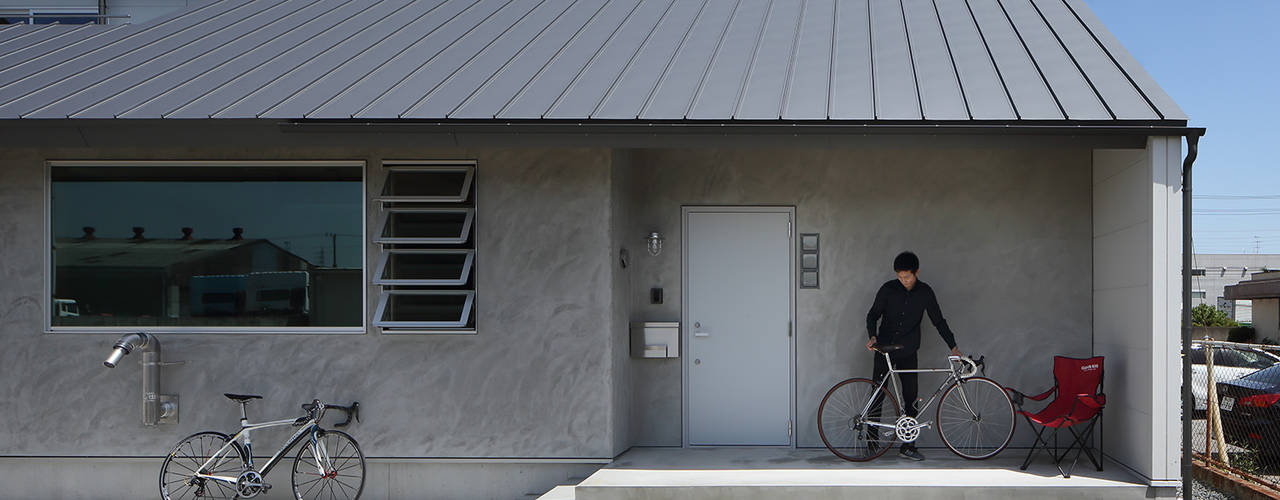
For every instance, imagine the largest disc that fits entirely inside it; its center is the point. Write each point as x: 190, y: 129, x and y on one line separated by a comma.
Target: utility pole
x: 333, y: 238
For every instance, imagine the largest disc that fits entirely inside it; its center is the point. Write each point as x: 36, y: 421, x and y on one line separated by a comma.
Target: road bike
x: 859, y: 419
x: 213, y: 465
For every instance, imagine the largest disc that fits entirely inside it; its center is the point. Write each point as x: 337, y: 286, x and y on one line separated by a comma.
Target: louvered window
x: 426, y: 267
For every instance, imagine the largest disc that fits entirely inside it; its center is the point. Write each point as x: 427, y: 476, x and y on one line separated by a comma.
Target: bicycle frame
x: 952, y: 378
x: 311, y: 426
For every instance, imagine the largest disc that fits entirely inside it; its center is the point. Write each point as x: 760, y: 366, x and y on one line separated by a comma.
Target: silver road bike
x: 213, y: 465
x: 859, y: 419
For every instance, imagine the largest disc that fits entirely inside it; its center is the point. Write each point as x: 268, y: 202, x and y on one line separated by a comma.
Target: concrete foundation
x: 751, y: 474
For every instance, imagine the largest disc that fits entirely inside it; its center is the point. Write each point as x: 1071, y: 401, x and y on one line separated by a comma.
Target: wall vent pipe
x: 156, y: 408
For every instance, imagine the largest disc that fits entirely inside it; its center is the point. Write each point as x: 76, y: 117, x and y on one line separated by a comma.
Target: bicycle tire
x: 192, y: 452
x: 986, y: 435
x: 839, y: 420
x: 342, y: 455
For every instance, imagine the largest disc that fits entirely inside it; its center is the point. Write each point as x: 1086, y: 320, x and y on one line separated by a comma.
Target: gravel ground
x: 1201, y: 491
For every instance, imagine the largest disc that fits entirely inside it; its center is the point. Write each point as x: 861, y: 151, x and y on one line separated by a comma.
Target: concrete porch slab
x: 771, y: 473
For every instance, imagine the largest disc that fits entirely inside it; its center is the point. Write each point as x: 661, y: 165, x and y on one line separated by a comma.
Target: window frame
x: 440, y: 327
x: 46, y: 304
x: 385, y: 259
x: 393, y: 166
x: 462, y: 237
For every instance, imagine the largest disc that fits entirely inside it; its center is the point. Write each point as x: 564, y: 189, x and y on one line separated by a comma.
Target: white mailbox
x: 655, y: 339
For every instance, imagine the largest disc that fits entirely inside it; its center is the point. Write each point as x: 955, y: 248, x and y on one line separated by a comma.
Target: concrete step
x: 562, y: 492
x: 760, y: 474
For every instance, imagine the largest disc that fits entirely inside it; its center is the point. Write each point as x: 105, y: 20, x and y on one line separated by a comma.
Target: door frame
x: 685, y: 330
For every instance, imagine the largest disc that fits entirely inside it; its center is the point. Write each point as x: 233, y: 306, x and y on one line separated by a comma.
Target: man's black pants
x: 910, y: 384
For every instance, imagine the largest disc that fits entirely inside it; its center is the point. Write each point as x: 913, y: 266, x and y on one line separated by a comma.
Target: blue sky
x: 1220, y: 61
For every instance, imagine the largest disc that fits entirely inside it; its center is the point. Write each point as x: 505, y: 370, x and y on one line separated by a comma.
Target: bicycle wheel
x: 331, y: 467
x: 178, y: 474
x: 843, y: 426
x: 975, y: 418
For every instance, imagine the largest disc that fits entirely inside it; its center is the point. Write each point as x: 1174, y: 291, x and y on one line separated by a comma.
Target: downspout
x: 1193, y: 142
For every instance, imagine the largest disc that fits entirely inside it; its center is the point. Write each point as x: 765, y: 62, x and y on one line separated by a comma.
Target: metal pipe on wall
x: 1188, y: 401
x: 156, y: 408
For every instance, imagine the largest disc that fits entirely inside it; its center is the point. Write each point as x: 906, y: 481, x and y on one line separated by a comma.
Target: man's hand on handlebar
x: 871, y: 344
x: 955, y: 351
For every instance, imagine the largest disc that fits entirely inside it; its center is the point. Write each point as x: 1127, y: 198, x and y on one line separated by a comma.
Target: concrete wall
x: 1136, y: 302
x: 622, y: 249
x: 1003, y: 235
x: 535, y: 382
x: 1266, y: 318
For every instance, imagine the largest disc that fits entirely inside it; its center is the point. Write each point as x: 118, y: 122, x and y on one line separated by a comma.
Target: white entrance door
x: 738, y: 325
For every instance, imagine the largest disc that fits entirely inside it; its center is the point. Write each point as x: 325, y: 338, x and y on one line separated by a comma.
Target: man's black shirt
x: 899, y: 312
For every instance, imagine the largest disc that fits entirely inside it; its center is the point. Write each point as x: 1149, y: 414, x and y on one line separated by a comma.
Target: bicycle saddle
x: 241, y: 397
x: 886, y: 347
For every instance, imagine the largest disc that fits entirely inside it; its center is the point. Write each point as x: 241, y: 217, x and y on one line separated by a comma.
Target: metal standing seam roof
x: 966, y: 61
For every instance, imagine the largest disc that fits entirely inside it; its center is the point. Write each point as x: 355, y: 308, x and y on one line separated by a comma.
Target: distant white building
x: 1212, y: 273
x: 1263, y: 291
x: 83, y: 11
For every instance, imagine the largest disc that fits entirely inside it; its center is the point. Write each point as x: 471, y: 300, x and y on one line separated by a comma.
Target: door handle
x: 702, y: 334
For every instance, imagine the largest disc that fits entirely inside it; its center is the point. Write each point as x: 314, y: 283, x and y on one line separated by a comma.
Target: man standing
x: 899, y: 307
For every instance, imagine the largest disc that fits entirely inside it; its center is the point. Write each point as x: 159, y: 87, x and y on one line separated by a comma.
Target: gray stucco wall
x: 535, y: 381
x: 1004, y: 236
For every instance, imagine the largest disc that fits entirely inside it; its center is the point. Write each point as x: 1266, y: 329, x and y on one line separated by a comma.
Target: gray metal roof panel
x: 852, y: 89
x: 51, y: 87
x: 983, y: 89
x: 1163, y: 104
x: 544, y: 89
x: 384, y: 58
x: 1072, y: 90
x: 22, y: 79
x: 144, y: 82
x: 593, y: 83
x: 635, y: 86
x: 1121, y: 97
x: 1031, y: 97
x: 935, y: 72
x: 765, y: 86
x: 896, y: 87
x: 10, y: 58
x: 488, y: 99
x: 490, y: 61
x: 341, y: 41
x: 458, y: 51
x: 38, y: 34
x: 333, y: 72
x: 716, y: 60
x: 679, y: 84
x: 203, y: 83
x: 720, y: 89
x: 805, y: 96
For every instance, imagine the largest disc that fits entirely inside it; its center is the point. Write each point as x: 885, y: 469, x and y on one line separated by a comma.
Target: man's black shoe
x: 910, y: 452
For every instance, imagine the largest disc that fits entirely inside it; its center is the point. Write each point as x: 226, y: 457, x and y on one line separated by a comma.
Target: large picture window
x: 207, y: 246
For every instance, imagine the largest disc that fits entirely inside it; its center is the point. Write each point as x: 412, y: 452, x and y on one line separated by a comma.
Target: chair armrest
x: 1095, y: 401
x: 1018, y: 397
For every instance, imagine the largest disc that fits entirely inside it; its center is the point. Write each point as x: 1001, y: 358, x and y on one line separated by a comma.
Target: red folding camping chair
x: 1077, y: 405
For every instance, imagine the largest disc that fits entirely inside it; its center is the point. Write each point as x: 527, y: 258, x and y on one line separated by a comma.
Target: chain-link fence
x: 1236, y: 417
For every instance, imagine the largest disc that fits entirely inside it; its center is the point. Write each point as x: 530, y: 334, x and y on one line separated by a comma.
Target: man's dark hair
x: 906, y: 261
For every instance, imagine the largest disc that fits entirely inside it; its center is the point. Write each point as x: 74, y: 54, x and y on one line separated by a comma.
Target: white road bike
x: 859, y: 419
x: 213, y: 465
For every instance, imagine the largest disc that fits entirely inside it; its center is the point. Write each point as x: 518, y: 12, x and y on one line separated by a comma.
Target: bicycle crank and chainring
x: 249, y: 484
x: 908, y: 428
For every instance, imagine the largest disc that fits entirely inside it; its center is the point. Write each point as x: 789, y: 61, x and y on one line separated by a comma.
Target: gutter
x: 827, y: 127
x: 1193, y: 149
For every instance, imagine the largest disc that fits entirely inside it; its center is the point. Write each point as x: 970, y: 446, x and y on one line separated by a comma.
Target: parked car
x: 1250, y: 408
x: 1229, y: 363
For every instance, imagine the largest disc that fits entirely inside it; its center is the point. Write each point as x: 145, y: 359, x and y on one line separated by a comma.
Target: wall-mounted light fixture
x: 654, y: 243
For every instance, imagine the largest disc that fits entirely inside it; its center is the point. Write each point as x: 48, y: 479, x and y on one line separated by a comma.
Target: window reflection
x: 217, y: 246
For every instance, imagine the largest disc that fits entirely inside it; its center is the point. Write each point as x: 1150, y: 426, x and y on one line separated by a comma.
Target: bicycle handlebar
x: 315, y: 409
